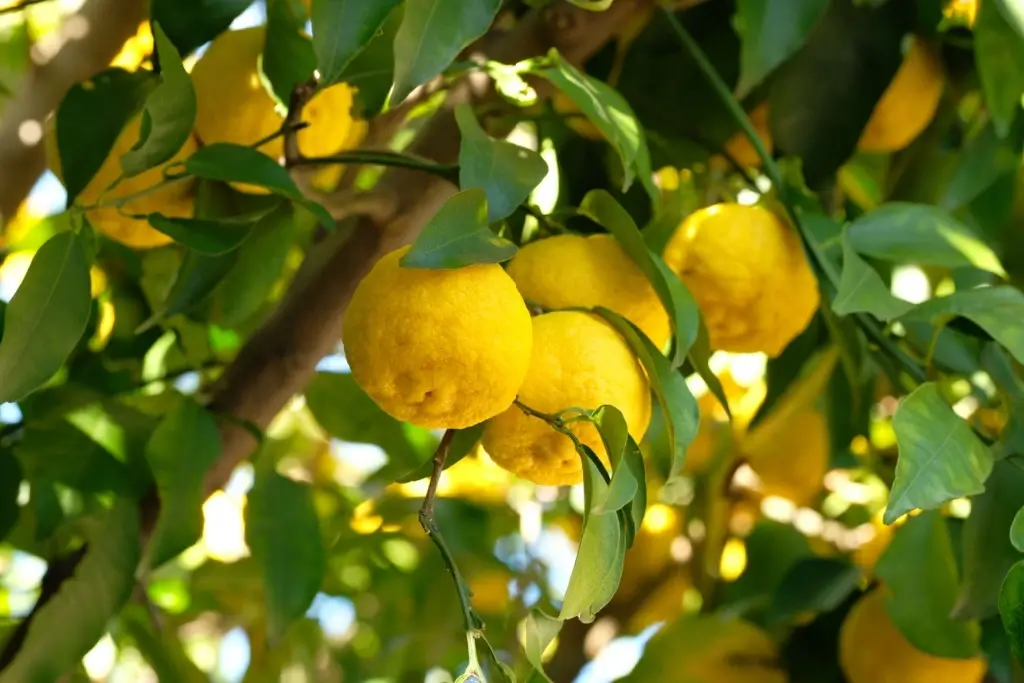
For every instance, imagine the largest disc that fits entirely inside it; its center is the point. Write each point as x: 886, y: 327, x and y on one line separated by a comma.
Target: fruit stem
x: 470, y: 619
x: 384, y: 158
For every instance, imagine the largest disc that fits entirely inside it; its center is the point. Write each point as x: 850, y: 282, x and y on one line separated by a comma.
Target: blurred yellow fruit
x: 961, y: 11
x: 490, y: 590
x: 747, y: 270
x: 234, y: 106
x: 438, y: 348
x: 739, y: 146
x: 573, y: 117
x: 665, y: 602
x: 710, y: 649
x: 572, y: 270
x: 867, y: 555
x: 652, y: 549
x: 714, y: 421
x: 136, y: 50
x: 578, y: 361
x: 790, y: 456
x: 176, y: 200
x: 908, y: 104
x: 872, y: 650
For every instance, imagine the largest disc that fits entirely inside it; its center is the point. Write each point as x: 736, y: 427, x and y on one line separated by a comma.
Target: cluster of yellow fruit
x: 233, y: 106
x: 453, y: 348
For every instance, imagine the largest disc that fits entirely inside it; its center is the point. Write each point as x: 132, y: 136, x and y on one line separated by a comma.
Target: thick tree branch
x: 88, y: 41
x: 279, y: 359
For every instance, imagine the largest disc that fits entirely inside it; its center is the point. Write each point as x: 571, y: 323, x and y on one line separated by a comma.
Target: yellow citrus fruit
x: 438, y: 348
x: 665, y: 602
x: 573, y: 117
x: 867, y: 555
x: 490, y: 589
x: 908, y: 104
x: 744, y: 402
x: 176, y: 200
x: 791, y: 456
x: 578, y: 361
x: 748, y: 273
x: 961, y: 11
x: 652, y: 548
x: 136, y: 50
x: 234, y: 106
x: 710, y: 649
x: 739, y: 145
x: 873, y: 650
x: 572, y: 270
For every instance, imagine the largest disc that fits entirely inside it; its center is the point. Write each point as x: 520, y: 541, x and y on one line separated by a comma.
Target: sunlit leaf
x: 771, y: 31
x: 997, y: 310
x: 341, y: 29
x: 432, y: 35
x: 205, y: 236
x: 861, y: 289
x: 288, y: 56
x: 940, y: 458
x: 506, y: 172
x: 536, y: 633
x: 192, y: 23
x: 458, y: 236
x: 46, y: 317
x: 999, y: 57
x: 920, y: 579
x: 615, y: 435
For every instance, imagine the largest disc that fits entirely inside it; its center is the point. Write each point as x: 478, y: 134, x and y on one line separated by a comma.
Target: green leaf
x: 997, y: 310
x: 919, y: 569
x: 68, y: 626
x: 861, y: 289
x: 918, y: 233
x: 988, y: 552
x: 610, y: 113
x: 615, y: 435
x: 999, y: 57
x: 89, y: 120
x: 1017, y: 530
x: 669, y: 386
x: 432, y: 35
x: 209, y: 237
x: 492, y: 669
x: 940, y: 457
x: 197, y: 278
x: 506, y: 172
x: 981, y: 164
x: 192, y: 23
x: 458, y: 236
x: 372, y: 70
x: 46, y: 317
x: 261, y: 259
x: 813, y: 584
x: 771, y: 31
x: 598, y: 567
x: 288, y: 55
x: 235, y: 163
x: 601, y: 207
x: 168, y: 115
x: 996, y: 362
x: 1011, y: 608
x: 163, y: 651
x: 183, y: 447
x: 347, y: 413
x: 462, y: 445
x: 10, y: 484
x: 536, y: 632
x: 283, y: 532
x: 341, y: 29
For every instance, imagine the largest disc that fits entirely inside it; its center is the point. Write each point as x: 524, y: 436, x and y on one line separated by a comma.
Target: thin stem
x: 382, y: 158
x: 470, y: 619
x: 18, y: 6
x: 550, y: 224
x: 285, y: 129
x: 121, y: 201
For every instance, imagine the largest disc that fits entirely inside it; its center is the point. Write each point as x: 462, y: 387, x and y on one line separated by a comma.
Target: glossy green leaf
x: 610, y: 113
x: 260, y: 262
x: 535, y: 634
x: 10, y: 484
x: 1017, y: 530
x: 69, y: 625
x: 615, y: 435
x: 813, y: 584
x: 917, y: 233
x: 598, y: 567
x: 506, y: 172
x: 372, y: 70
x: 997, y: 363
x: 602, y: 208
x: 1011, y: 608
x: 192, y: 23
x: 492, y: 668
x: 209, y: 237
x: 988, y: 552
x: 981, y: 164
x: 771, y: 31
x: 997, y: 310
x: 940, y: 457
x: 46, y: 317
x: 90, y: 119
x: 167, y: 116
x: 432, y: 35
x: 999, y: 57
x: 283, y: 532
x: 236, y: 163
x: 197, y: 279
x: 669, y: 387
x: 288, y: 55
x: 341, y: 29
x: 183, y: 447
x: 163, y: 651
x: 458, y: 236
x: 861, y: 289
x: 919, y: 573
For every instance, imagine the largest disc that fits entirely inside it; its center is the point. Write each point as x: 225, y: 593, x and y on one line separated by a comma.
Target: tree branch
x: 89, y: 40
